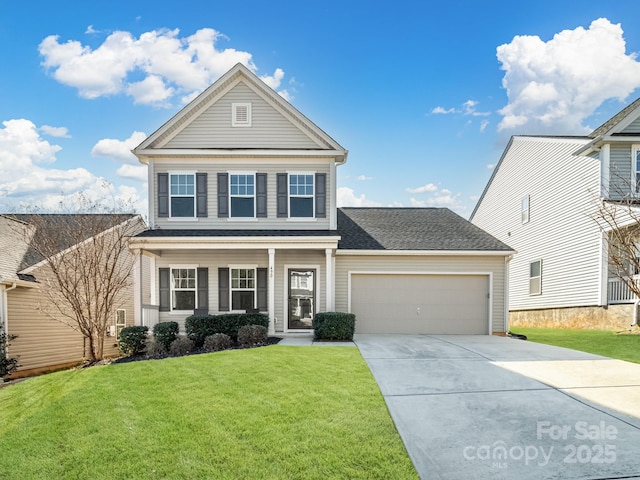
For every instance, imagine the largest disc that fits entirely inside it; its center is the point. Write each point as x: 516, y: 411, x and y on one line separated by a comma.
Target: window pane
x: 242, y: 207
x: 184, y: 300
x: 534, y: 269
x: 241, y: 300
x: 182, y: 207
x: 301, y: 207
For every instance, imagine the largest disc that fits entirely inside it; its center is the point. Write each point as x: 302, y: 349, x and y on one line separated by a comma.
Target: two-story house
x: 545, y: 199
x: 242, y: 202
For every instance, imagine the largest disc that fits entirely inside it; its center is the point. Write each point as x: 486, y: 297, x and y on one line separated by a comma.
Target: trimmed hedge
x: 217, y: 342
x: 133, y: 340
x: 334, y: 326
x: 199, y: 327
x: 252, y: 335
x: 181, y: 346
x: 165, y: 333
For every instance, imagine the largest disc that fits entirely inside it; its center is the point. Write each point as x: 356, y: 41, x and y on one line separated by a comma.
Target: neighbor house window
x: 525, y: 209
x: 241, y: 114
x: 535, y: 278
x: 301, y: 190
x: 243, y: 288
x: 242, y: 195
x: 121, y: 321
x: 183, y: 288
x: 635, y: 155
x: 182, y: 191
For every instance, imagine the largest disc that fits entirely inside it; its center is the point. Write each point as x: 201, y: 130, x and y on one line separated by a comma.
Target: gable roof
x: 614, y: 121
x: 55, y: 224
x: 13, y: 247
x: 157, y: 142
x: 423, y: 229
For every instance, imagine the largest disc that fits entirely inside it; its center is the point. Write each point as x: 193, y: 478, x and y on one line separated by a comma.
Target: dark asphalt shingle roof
x: 377, y: 229
x: 613, y: 121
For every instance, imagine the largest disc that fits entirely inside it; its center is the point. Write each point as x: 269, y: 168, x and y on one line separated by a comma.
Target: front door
x: 302, y: 293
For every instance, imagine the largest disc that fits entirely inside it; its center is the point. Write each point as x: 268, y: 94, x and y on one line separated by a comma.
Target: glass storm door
x: 302, y: 287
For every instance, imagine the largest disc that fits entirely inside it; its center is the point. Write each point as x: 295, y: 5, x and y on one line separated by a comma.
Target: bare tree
x: 84, y: 266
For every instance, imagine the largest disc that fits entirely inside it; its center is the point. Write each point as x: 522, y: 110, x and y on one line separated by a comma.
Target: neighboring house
x: 543, y: 199
x: 242, y: 200
x: 43, y: 342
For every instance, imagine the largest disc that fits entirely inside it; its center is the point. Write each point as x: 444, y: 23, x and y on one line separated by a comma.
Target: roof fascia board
x: 624, y: 123
x: 240, y: 243
x: 433, y: 253
x: 220, y: 152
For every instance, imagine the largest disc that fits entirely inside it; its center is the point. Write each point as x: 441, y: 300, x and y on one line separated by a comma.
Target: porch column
x: 329, y: 277
x: 137, y: 287
x: 271, y: 291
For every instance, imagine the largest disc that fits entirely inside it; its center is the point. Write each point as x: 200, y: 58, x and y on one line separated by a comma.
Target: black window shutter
x: 282, y: 196
x: 203, y: 288
x: 223, y: 289
x: 201, y: 195
x: 262, y: 304
x: 223, y: 195
x: 261, y: 195
x: 165, y: 291
x: 321, y: 195
x: 163, y: 195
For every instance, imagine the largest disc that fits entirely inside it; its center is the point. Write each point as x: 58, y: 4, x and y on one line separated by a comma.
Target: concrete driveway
x: 485, y: 407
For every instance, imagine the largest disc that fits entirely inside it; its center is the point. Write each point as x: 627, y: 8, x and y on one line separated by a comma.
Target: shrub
x: 217, y: 342
x: 133, y: 339
x: 181, y: 346
x: 8, y: 365
x: 334, y: 326
x: 156, y: 349
x: 199, y: 327
x: 165, y: 333
x: 252, y: 335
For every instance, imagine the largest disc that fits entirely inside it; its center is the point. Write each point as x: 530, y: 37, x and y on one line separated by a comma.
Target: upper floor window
x: 182, y: 192
x: 240, y: 114
x: 301, y: 193
x: 635, y: 156
x: 535, y: 278
x: 525, y: 209
x: 242, y: 195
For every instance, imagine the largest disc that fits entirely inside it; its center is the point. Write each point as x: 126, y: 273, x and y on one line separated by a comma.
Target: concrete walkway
x: 306, y: 340
x: 484, y: 407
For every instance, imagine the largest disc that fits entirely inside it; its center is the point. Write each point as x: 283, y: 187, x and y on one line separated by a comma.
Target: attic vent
x: 240, y: 114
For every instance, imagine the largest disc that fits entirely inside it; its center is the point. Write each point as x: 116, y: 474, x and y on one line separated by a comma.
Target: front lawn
x: 599, y: 342
x: 274, y: 412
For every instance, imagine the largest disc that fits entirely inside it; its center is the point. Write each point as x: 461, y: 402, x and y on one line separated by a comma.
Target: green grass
x: 599, y: 342
x: 273, y: 412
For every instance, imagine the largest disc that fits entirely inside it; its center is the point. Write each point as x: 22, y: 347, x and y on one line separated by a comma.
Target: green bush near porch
x: 334, y: 326
x: 199, y: 327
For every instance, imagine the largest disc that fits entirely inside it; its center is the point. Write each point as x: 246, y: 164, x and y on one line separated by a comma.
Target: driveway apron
x: 486, y: 407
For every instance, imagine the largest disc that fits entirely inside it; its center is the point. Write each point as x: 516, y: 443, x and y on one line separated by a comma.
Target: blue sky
x: 424, y: 95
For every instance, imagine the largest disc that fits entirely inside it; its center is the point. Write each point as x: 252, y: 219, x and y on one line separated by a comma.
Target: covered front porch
x: 290, y: 277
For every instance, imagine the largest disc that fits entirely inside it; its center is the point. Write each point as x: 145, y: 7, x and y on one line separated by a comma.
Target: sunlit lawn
x: 600, y: 342
x: 273, y: 412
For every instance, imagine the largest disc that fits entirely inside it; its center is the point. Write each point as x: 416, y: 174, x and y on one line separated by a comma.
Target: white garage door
x: 434, y: 304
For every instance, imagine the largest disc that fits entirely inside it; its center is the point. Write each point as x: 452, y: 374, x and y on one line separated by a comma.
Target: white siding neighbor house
x: 543, y: 199
x: 242, y: 196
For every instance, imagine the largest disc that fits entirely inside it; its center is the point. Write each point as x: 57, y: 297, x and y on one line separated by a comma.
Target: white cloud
x: 164, y: 65
x: 443, y: 111
x: 347, y: 198
x: 429, y: 187
x: 483, y: 125
x: 553, y: 86
x: 59, y: 132
x: 417, y: 203
x: 491, y: 166
x: 469, y: 108
x: 27, y: 178
x: 363, y: 178
x: 119, y: 150
x: 133, y: 172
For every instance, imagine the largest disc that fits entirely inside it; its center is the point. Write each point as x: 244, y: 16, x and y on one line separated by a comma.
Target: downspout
x: 5, y: 311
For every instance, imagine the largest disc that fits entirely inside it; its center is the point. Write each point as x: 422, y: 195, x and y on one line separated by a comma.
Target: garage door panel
x: 430, y: 304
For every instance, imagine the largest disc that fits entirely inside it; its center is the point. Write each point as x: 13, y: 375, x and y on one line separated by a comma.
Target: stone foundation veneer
x: 613, y: 317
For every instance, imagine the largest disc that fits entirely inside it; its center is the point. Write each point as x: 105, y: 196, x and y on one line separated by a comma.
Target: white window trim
x: 532, y: 294
x: 234, y: 116
x: 231, y: 289
x: 120, y: 325
x: 635, y: 150
x: 182, y: 219
x: 313, y: 196
x: 525, y: 213
x: 171, y: 289
x: 255, y: 187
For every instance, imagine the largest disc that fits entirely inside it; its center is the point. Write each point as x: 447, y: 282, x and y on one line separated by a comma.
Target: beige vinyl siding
x: 621, y: 177
x: 563, y: 189
x: 269, y: 128
x: 214, y: 259
x: 424, y: 264
x: 633, y: 127
x: 271, y: 168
